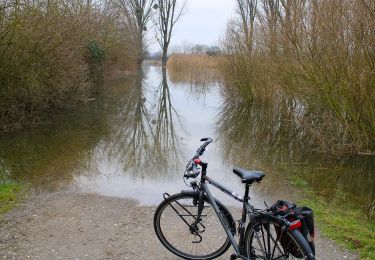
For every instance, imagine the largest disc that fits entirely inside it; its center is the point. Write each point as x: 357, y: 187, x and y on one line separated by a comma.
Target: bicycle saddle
x: 248, y: 176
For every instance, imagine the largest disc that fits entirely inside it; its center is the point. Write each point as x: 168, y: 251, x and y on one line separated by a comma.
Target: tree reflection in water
x: 166, y: 141
x: 143, y: 141
x: 268, y: 131
x: 272, y: 135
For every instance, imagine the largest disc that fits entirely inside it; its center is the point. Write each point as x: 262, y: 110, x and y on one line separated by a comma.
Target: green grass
x: 10, y: 193
x: 344, y: 224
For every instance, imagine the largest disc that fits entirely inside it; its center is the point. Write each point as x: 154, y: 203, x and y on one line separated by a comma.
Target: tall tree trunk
x: 169, y: 13
x: 164, y: 58
x: 140, y: 47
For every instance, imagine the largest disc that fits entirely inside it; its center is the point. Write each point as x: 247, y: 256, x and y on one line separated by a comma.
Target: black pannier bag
x: 293, y: 213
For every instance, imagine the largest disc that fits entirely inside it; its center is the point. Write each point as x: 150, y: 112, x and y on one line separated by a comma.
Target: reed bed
x: 192, y: 68
x: 185, y: 62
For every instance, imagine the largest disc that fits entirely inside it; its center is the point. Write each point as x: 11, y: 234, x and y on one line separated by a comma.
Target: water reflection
x: 143, y: 134
x: 198, y: 79
x: 272, y: 134
x: 47, y: 156
x: 134, y: 140
x: 154, y: 131
x: 166, y: 140
x: 269, y: 131
x: 143, y: 147
x: 129, y: 138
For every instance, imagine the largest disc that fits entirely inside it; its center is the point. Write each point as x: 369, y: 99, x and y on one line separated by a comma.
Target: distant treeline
x: 318, y: 55
x: 48, y: 49
x: 187, y: 49
x: 202, y: 49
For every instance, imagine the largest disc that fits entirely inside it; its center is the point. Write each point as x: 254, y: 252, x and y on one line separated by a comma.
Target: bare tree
x: 169, y: 13
x: 271, y: 10
x: 138, y: 13
x: 247, y: 10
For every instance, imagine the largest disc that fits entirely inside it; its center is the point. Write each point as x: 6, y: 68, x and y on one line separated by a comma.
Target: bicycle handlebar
x: 192, y: 165
x: 202, y: 148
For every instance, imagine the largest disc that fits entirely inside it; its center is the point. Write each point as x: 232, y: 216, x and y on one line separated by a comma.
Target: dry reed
x: 192, y: 68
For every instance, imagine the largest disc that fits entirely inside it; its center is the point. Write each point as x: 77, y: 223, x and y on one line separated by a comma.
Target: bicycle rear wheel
x: 173, y: 221
x: 266, y: 239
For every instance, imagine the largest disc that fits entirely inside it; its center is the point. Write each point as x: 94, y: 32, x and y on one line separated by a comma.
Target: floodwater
x: 135, y: 138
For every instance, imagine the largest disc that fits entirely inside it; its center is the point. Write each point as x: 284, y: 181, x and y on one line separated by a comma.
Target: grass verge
x: 344, y: 224
x: 10, y: 193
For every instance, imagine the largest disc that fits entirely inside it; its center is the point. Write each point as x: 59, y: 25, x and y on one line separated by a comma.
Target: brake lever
x: 195, y: 171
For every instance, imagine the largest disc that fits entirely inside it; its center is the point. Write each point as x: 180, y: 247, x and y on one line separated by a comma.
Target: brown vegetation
x: 192, y: 68
x: 47, y: 49
x: 185, y: 62
x: 320, y: 54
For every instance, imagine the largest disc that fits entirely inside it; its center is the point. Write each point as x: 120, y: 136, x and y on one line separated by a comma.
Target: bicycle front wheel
x: 266, y: 239
x: 173, y: 223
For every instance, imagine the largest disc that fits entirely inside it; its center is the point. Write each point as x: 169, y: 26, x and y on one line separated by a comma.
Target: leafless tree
x: 271, y: 10
x: 169, y: 13
x: 247, y: 10
x: 138, y: 13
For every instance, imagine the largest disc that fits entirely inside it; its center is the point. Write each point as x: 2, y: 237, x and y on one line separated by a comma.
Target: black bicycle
x: 194, y: 225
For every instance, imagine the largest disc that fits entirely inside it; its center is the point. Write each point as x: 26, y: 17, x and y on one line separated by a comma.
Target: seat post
x: 243, y: 218
x: 246, y: 196
x: 245, y: 201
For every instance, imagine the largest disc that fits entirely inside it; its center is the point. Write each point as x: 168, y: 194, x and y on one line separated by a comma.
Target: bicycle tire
x: 290, y: 244
x: 212, y: 230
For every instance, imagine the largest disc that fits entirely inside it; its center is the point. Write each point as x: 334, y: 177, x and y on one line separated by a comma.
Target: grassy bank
x: 10, y: 193
x: 345, y: 224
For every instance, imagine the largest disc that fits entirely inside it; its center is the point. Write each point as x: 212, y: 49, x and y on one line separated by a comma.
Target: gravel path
x: 87, y: 226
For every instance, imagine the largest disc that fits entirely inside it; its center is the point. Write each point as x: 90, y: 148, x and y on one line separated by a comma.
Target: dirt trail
x: 87, y: 226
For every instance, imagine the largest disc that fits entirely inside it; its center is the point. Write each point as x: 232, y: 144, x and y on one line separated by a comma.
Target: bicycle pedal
x: 233, y: 256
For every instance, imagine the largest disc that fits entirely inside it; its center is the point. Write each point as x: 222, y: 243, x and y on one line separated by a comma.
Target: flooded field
x: 134, y: 139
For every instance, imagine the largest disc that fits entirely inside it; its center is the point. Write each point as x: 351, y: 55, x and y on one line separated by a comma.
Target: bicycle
x: 195, y: 225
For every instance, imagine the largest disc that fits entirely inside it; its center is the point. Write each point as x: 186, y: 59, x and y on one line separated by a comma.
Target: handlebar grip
x: 207, y: 140
x: 202, y: 148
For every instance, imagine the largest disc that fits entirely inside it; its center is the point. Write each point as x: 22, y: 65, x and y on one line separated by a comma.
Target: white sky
x: 203, y: 22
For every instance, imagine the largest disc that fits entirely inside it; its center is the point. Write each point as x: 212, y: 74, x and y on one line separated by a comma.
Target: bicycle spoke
x: 260, y: 243
x: 271, y: 247
x: 264, y: 241
x: 192, y: 240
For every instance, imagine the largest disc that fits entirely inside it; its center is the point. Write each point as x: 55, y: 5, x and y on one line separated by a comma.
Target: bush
x: 46, y: 48
x: 320, y: 53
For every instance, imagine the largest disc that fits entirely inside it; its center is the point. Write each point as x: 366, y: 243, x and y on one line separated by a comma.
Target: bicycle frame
x: 260, y: 219
x: 246, y: 209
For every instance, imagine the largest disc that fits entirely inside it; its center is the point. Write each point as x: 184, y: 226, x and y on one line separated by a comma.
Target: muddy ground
x: 67, y: 225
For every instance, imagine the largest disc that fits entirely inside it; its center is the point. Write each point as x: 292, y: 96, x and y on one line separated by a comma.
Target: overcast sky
x: 203, y: 22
